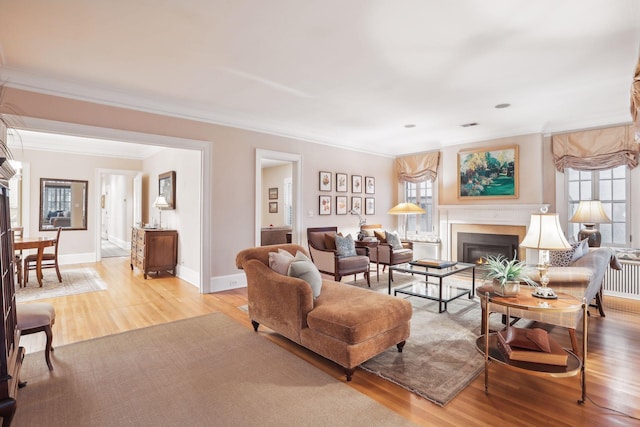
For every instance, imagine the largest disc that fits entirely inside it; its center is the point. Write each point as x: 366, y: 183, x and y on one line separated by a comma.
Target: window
x: 611, y: 187
x: 288, y: 202
x: 421, y: 194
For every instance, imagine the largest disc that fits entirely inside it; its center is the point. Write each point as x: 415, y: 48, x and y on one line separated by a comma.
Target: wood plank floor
x: 613, y: 377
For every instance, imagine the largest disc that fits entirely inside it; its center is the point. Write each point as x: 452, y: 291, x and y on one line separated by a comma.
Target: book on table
x: 437, y: 263
x: 531, y: 345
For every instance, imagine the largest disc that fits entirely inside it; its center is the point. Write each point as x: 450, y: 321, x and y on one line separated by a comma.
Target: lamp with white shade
x: 590, y: 213
x: 545, y: 234
x: 160, y: 203
x: 406, y: 209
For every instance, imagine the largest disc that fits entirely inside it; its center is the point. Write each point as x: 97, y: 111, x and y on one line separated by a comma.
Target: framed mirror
x: 63, y: 203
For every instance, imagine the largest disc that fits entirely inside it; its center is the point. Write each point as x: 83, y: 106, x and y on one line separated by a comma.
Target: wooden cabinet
x: 154, y: 250
x: 11, y: 354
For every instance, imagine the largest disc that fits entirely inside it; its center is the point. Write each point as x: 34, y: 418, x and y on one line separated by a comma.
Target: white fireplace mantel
x: 485, y: 214
x: 502, y: 214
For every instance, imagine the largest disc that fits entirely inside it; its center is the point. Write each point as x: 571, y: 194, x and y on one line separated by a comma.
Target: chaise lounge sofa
x: 346, y: 324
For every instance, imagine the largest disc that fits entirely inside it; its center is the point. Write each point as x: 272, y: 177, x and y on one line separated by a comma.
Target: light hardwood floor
x: 613, y: 377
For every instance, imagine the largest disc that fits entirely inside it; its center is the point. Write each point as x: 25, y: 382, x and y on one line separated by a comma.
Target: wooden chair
x: 49, y: 260
x: 17, y: 260
x: 37, y: 317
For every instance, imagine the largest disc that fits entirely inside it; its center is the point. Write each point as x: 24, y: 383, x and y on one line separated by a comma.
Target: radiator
x: 623, y: 283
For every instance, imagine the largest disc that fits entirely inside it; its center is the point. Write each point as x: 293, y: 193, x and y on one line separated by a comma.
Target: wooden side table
x: 373, y: 246
x: 487, y: 342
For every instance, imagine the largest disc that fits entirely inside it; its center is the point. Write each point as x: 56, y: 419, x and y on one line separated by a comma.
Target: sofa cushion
x: 316, y: 239
x: 345, y: 246
x: 302, y: 268
x: 353, y: 315
x: 280, y: 261
x: 394, y: 240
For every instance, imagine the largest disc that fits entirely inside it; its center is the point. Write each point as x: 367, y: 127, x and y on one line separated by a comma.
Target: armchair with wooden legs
x: 325, y: 256
x: 386, y: 254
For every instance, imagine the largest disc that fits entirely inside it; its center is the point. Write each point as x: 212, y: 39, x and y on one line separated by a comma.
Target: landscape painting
x: 488, y: 173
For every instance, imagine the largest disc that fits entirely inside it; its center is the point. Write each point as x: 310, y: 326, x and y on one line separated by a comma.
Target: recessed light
x: 409, y: 126
x: 505, y: 105
x: 468, y: 125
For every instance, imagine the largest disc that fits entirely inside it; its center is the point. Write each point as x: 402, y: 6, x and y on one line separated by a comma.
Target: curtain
x: 596, y: 149
x: 635, y: 99
x: 418, y: 167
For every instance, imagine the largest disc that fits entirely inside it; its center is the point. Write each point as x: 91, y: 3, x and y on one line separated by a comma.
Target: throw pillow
x: 330, y: 241
x: 563, y: 258
x: 345, y: 246
x: 381, y: 235
x: 280, y: 261
x: 394, y: 240
x: 581, y: 250
x: 304, y: 269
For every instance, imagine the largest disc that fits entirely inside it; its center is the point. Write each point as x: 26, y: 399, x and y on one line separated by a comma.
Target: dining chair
x: 49, y: 260
x: 17, y: 258
x: 37, y: 317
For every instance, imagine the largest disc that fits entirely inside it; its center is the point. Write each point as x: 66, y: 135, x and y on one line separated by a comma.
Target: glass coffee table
x: 434, y: 290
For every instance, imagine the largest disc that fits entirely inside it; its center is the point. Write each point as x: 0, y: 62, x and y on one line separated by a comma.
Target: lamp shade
x: 590, y: 212
x: 545, y: 233
x: 406, y: 209
x: 161, y: 202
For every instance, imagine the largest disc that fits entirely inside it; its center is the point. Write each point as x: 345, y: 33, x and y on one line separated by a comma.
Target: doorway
x: 287, y: 198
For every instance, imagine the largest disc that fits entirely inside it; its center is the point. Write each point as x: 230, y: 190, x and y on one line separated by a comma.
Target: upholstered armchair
x: 387, y: 254
x: 326, y: 257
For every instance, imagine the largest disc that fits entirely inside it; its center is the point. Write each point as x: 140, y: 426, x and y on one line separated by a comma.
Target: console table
x: 487, y: 343
x: 154, y: 250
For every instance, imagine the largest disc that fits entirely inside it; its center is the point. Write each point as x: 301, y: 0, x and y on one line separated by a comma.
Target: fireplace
x: 476, y: 247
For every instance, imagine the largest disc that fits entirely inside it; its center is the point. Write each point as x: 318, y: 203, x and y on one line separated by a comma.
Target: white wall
x: 75, y: 245
x: 186, y: 216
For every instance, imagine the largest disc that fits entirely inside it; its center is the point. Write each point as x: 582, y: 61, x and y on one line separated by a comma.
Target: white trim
x: 231, y: 281
x: 205, y: 148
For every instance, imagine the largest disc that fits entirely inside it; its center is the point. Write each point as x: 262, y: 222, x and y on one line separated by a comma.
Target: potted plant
x: 507, y: 274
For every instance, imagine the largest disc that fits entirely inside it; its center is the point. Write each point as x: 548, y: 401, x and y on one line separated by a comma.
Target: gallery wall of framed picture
x: 342, y: 184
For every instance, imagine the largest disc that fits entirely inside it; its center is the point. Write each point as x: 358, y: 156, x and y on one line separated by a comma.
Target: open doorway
x: 278, y: 216
x: 119, y: 208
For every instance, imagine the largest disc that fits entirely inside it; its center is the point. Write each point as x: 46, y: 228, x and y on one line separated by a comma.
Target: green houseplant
x: 507, y: 274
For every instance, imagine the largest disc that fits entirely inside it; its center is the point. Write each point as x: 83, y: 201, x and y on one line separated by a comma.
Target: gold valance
x: 418, y: 167
x: 596, y: 149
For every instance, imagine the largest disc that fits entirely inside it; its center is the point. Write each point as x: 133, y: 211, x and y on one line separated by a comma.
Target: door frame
x: 204, y: 147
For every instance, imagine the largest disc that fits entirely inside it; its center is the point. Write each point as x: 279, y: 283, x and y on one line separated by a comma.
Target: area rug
x: 74, y: 281
x: 202, y: 371
x: 440, y: 357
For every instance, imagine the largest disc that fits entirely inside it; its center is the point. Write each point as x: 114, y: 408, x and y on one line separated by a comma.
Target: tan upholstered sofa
x: 345, y: 324
x: 582, y: 279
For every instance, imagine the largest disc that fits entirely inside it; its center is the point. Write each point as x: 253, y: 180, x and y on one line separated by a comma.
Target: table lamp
x: 406, y: 209
x: 160, y: 203
x: 590, y: 213
x: 544, y: 233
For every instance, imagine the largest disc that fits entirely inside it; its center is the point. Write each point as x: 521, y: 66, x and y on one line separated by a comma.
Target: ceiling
x: 351, y: 73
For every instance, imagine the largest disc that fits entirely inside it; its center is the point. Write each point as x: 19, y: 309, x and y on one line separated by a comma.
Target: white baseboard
x: 188, y: 275
x: 76, y: 258
x: 225, y: 283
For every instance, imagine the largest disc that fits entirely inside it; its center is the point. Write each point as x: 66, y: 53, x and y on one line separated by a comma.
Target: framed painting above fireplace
x: 488, y: 173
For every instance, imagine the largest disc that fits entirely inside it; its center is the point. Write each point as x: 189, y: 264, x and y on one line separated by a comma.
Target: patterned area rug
x: 74, y: 281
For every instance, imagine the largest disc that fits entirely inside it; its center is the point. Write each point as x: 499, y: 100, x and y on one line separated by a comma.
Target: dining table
x: 39, y: 243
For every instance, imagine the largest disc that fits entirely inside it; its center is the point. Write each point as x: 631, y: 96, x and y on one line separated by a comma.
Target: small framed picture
x: 369, y: 206
x: 341, y: 205
x: 325, y: 181
x: 273, y: 207
x: 369, y: 185
x: 341, y: 183
x: 356, y: 183
x: 325, y: 205
x: 356, y: 205
x: 273, y: 193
